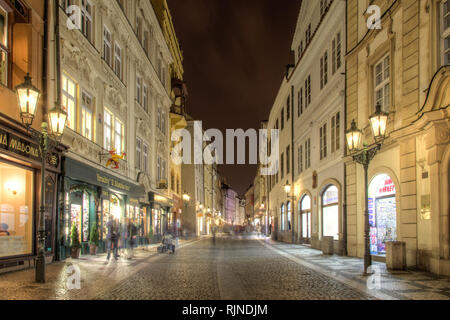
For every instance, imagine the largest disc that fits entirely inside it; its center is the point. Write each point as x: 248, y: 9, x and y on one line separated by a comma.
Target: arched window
x: 330, y: 212
x: 305, y: 219
x: 283, y: 209
x: 289, y: 215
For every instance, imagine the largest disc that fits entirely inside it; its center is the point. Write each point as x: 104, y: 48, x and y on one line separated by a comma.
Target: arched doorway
x: 305, y: 219
x: 382, y: 213
x: 330, y: 212
x: 282, y: 217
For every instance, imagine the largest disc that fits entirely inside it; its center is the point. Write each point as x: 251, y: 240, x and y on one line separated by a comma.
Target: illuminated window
x: 16, y: 211
x: 289, y: 216
x: 282, y: 223
x: 139, y: 89
x: 69, y: 101
x: 330, y: 212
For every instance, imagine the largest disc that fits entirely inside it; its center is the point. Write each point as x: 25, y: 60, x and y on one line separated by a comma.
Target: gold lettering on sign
x: 3, y: 139
x: 24, y: 148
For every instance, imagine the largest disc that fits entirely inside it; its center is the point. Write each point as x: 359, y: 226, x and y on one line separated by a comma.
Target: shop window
x: 382, y: 83
x: 330, y: 212
x: 4, y: 49
x: 16, y: 210
x: 382, y: 213
x: 69, y: 101
x: 305, y: 218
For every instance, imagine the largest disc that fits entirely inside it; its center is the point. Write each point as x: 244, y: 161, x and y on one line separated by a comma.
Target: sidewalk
x: 96, y: 273
x: 404, y: 285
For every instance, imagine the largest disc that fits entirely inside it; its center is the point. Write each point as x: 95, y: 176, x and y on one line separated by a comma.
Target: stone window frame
x: 386, y: 48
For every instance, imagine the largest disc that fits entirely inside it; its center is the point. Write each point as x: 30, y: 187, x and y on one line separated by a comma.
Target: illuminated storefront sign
x: 18, y: 146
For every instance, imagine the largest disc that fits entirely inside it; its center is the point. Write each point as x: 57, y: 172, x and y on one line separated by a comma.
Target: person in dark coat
x: 112, y: 237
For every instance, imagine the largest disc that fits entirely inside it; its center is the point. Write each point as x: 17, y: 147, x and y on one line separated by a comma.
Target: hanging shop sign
x: 19, y: 146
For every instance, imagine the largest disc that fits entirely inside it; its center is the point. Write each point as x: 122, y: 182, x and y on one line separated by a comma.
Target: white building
x: 312, y: 100
x: 115, y: 86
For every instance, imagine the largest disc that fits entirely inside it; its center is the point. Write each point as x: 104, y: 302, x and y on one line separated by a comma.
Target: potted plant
x: 93, y: 240
x: 75, y: 245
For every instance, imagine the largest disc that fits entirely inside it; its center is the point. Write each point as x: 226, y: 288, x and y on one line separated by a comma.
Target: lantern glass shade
x: 28, y: 97
x: 354, y: 138
x: 57, y: 119
x: 186, y: 197
x: 378, y: 122
x: 287, y: 188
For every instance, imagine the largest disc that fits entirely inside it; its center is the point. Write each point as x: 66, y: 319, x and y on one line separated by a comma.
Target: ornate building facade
x: 404, y: 66
x: 116, y: 91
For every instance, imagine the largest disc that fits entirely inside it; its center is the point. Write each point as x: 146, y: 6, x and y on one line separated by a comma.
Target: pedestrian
x: 124, y: 237
x: 132, y: 238
x: 112, y: 237
x: 270, y: 229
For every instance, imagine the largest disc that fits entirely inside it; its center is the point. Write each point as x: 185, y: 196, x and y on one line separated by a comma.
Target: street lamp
x: 187, y: 199
x: 28, y: 97
x: 378, y: 122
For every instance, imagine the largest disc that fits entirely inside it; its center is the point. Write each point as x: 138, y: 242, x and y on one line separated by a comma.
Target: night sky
x: 235, y: 53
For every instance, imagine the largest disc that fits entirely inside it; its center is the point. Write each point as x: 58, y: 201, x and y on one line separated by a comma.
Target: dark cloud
x: 235, y: 52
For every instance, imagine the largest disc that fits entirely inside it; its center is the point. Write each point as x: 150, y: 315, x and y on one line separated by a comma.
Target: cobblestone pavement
x: 404, y: 285
x: 232, y: 268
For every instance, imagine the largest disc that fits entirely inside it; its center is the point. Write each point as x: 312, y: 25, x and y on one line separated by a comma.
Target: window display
x: 382, y: 213
x: 16, y: 211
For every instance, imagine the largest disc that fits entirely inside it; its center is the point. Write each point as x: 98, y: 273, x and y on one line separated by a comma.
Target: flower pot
x: 75, y: 253
x: 93, y: 249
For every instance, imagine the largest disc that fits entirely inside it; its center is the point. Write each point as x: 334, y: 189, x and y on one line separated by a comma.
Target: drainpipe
x: 292, y: 163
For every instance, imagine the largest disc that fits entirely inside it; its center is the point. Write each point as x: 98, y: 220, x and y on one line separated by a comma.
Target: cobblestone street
x: 232, y: 268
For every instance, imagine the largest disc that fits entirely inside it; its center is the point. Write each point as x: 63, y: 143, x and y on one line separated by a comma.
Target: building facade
x: 311, y: 155
x: 116, y: 92
x: 178, y: 95
x: 23, y: 33
x: 403, y: 66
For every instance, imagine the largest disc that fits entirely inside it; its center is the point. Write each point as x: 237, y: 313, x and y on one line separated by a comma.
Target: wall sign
x: 19, y: 146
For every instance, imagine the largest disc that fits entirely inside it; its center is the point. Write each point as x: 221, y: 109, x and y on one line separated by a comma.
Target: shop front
x: 161, y: 215
x: 382, y: 213
x: 20, y: 185
x: 93, y: 197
